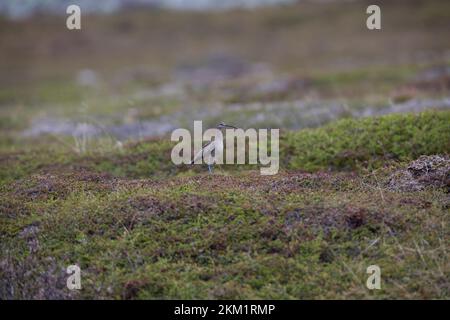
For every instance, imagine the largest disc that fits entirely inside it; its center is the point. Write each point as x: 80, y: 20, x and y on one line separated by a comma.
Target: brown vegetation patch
x: 341, y: 218
x: 427, y: 171
x: 132, y: 288
x: 12, y: 208
x: 33, y: 278
x: 57, y: 184
x: 283, y: 182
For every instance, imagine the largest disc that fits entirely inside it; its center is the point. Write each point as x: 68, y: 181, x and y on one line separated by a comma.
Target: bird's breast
x: 219, y: 145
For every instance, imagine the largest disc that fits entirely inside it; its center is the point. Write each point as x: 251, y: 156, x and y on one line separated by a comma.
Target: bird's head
x: 222, y: 125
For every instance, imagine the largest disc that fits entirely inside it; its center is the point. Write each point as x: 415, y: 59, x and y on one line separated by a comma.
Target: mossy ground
x: 140, y: 227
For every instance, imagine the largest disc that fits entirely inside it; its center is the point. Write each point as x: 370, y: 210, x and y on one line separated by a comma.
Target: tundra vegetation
x: 86, y: 176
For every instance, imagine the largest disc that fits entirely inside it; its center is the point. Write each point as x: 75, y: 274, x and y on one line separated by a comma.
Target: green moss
x: 234, y: 234
x: 368, y: 142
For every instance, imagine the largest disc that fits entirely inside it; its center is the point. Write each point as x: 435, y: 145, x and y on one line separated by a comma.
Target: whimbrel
x: 210, y: 148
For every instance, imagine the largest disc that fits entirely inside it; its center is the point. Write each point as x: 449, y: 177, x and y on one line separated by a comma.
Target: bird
x: 211, y: 147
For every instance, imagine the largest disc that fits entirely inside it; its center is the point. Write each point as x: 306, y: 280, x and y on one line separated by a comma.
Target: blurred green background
x: 139, y: 69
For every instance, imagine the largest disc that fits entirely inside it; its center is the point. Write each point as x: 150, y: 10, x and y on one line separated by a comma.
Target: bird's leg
x: 209, y: 168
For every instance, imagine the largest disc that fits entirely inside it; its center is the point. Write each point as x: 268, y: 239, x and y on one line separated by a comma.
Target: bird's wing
x: 205, y: 148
